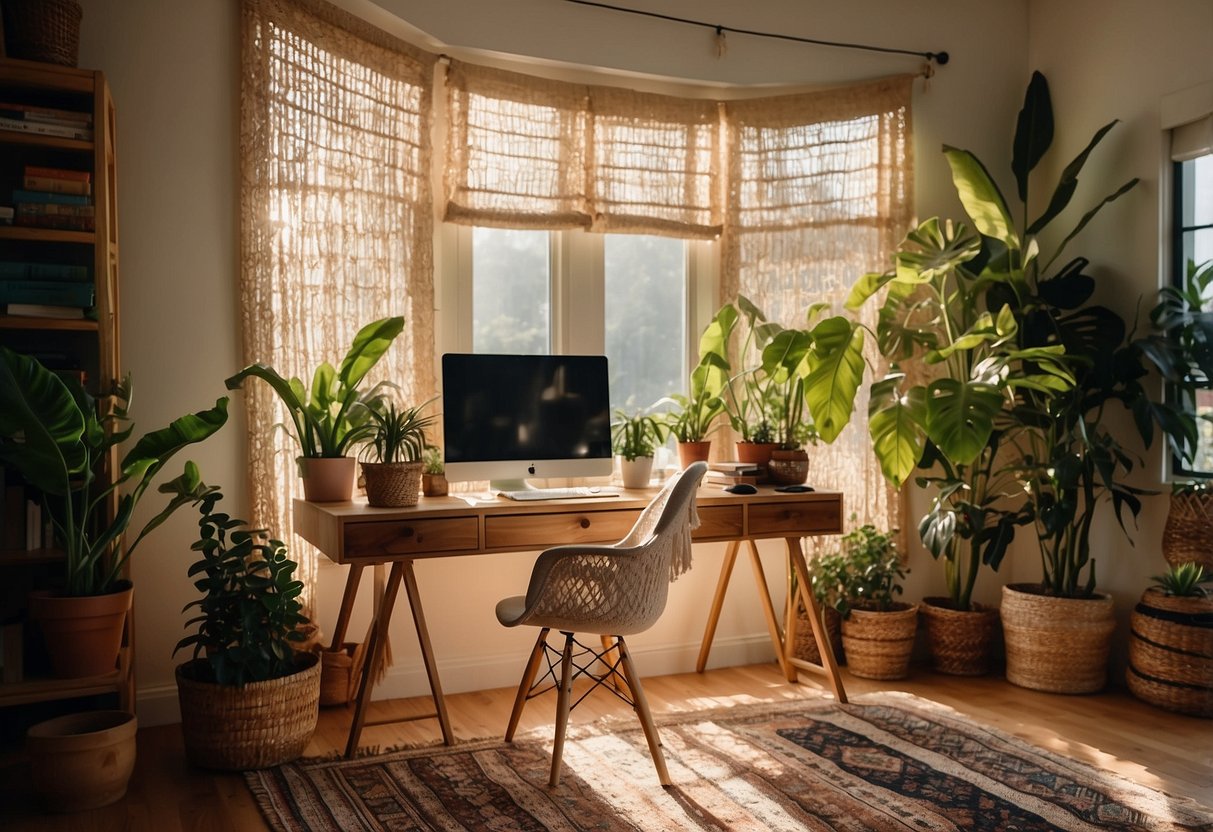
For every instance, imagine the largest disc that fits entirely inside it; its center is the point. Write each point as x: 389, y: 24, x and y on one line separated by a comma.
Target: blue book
x: 51, y: 197
x: 14, y: 270
x: 47, y: 292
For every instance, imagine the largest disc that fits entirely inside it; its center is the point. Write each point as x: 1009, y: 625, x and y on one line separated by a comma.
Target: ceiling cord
x: 939, y: 58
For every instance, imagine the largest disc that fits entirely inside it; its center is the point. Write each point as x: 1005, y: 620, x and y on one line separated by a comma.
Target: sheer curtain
x: 819, y: 194
x: 336, y: 217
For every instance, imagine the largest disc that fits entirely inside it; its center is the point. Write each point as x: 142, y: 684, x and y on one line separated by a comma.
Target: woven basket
x: 260, y: 725
x: 392, y: 484
x: 1171, y: 653
x: 43, y: 30
x: 341, y: 673
x: 1188, y: 533
x: 962, y: 642
x: 878, y: 644
x: 1059, y: 645
x: 804, y: 646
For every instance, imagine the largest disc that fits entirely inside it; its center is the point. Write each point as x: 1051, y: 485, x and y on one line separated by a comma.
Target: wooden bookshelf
x: 90, y: 345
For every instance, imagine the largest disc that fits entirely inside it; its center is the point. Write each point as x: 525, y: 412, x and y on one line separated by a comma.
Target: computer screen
x: 513, y: 417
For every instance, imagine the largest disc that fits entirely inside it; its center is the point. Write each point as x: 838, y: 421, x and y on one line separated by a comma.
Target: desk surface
x: 353, y: 532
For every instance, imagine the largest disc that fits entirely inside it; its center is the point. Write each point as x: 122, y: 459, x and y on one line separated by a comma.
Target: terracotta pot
x: 962, y: 641
x: 637, y: 472
x: 392, y: 484
x: 755, y: 453
x: 434, y: 485
x: 788, y: 467
x: 878, y: 644
x: 83, y: 634
x: 1059, y: 645
x: 689, y: 452
x: 327, y: 479
x: 82, y: 761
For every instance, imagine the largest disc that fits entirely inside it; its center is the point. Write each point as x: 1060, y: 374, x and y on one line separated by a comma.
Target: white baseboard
x: 158, y: 705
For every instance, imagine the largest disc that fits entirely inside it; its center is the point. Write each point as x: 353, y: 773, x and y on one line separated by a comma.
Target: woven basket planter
x: 43, y: 30
x: 1171, y: 653
x: 260, y: 725
x: 341, y: 673
x: 1059, y: 645
x: 1186, y: 536
x: 804, y: 646
x: 392, y: 484
x: 962, y: 641
x: 878, y: 644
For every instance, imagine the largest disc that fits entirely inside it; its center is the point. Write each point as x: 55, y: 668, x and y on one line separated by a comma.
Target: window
x: 511, y: 292
x: 1193, y: 242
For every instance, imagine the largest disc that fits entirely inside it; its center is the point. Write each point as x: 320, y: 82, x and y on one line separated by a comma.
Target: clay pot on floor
x: 82, y: 761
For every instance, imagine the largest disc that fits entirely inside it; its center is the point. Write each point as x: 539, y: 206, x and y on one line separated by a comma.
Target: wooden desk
x: 353, y: 533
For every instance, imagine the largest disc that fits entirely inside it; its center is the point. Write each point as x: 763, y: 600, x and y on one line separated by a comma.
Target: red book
x: 59, y: 173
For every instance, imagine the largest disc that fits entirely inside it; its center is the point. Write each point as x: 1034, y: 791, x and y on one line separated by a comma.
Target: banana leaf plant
x: 52, y: 435
x: 334, y: 415
x: 692, y: 415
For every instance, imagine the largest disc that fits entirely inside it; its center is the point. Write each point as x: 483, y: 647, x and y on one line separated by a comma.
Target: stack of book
x: 47, y: 121
x: 55, y: 198
x: 732, y: 473
x: 45, y: 290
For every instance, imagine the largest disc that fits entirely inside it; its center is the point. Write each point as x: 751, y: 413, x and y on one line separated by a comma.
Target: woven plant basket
x: 341, y: 673
x: 1059, y: 645
x: 1188, y: 534
x: 260, y: 725
x: 878, y: 644
x: 1171, y: 653
x: 804, y: 646
x: 43, y: 30
x: 392, y: 484
x: 962, y: 642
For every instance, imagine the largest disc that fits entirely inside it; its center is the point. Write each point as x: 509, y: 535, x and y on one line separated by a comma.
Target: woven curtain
x: 336, y: 219
x: 525, y: 152
x: 820, y: 194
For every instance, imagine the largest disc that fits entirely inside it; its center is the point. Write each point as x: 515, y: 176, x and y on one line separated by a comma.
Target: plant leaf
x: 1033, y: 132
x: 982, y: 200
x: 960, y: 417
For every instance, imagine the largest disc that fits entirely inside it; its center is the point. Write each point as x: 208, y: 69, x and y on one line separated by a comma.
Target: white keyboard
x: 558, y: 493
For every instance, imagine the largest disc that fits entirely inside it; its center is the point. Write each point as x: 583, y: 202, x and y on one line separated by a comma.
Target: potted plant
x: 1171, y: 642
x: 433, y: 473
x: 392, y: 455
x: 863, y: 577
x: 690, y: 420
x: 634, y: 438
x: 335, y: 415
x: 53, y: 436
x: 248, y: 699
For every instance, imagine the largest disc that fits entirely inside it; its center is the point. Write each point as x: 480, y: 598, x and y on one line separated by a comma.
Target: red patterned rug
x: 888, y: 761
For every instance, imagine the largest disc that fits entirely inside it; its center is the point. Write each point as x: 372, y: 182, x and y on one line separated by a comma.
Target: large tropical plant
x: 692, y: 415
x: 52, y: 434
x: 335, y: 414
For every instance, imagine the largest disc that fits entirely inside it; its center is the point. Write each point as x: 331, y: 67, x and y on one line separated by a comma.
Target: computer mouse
x: 741, y: 488
x: 794, y: 489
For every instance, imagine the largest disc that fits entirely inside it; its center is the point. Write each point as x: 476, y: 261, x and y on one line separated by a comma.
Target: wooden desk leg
x: 427, y: 652
x: 722, y: 585
x: 768, y: 609
x: 347, y: 606
x: 828, y: 663
x: 374, y: 655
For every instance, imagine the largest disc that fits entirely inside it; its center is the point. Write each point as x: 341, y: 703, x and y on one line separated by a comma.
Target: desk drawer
x: 718, y: 522
x: 780, y: 519
x: 411, y: 537
x: 539, y: 531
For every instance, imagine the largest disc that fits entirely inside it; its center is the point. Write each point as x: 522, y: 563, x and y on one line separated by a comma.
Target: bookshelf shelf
x: 86, y: 348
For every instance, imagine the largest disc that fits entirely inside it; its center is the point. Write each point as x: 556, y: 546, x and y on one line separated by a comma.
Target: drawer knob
x: 585, y: 522
x: 407, y: 531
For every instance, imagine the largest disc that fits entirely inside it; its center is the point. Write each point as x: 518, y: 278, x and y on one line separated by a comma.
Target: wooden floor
x: 1111, y: 730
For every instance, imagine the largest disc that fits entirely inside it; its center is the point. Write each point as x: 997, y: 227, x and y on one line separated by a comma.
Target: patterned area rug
x: 888, y: 761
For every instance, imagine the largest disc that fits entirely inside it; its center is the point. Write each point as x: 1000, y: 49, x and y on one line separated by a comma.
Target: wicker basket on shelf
x: 43, y: 30
x: 1188, y: 534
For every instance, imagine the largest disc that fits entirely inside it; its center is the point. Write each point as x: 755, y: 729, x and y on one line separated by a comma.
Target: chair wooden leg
x: 645, y: 716
x: 528, y: 679
x: 562, y: 708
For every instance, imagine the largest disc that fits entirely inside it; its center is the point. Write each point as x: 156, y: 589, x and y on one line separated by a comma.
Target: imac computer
x: 508, y: 418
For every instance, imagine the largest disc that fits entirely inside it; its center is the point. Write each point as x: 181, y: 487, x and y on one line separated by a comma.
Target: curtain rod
x: 940, y: 58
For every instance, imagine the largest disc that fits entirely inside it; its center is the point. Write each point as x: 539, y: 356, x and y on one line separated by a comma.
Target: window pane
x: 1194, y: 184
x: 1198, y: 191
x: 645, y: 318
x: 511, y: 275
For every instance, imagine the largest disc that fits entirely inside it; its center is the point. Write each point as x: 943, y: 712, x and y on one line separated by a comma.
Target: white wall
x: 174, y: 70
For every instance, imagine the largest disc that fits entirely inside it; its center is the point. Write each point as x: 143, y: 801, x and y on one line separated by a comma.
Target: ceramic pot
x: 327, y: 479
x: 689, y: 452
x: 82, y: 761
x: 434, y: 485
x: 637, y: 472
x: 755, y: 453
x: 788, y: 467
x: 83, y: 634
x: 1059, y: 645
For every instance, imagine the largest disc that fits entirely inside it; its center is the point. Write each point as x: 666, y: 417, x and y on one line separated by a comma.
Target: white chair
x: 610, y: 591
